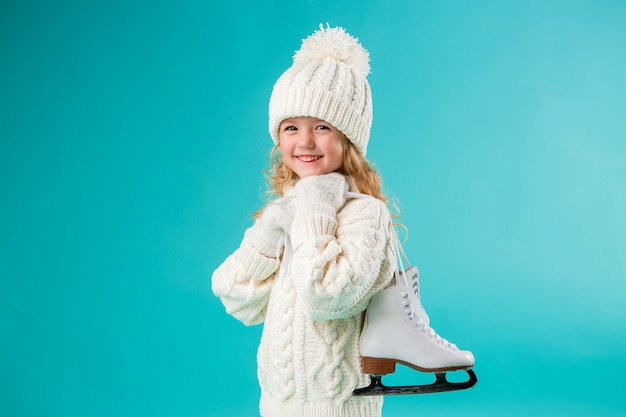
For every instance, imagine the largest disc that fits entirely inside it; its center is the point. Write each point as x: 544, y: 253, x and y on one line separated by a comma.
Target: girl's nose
x: 306, y: 139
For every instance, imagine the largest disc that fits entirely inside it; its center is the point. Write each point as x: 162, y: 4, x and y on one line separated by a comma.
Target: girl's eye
x: 323, y: 127
x: 290, y: 128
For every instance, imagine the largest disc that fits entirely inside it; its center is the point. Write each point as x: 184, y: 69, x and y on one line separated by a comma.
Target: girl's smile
x: 308, y: 158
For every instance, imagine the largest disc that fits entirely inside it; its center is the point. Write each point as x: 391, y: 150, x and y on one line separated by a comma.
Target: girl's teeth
x: 308, y: 158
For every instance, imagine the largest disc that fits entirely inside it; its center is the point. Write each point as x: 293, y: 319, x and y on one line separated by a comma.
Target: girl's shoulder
x: 365, y: 207
x: 362, y: 200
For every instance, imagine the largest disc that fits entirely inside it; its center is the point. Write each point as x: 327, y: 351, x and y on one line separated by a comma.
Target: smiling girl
x: 310, y: 146
x: 312, y: 261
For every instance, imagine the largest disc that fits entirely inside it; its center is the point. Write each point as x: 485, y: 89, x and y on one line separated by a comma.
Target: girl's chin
x: 307, y: 171
x: 304, y: 174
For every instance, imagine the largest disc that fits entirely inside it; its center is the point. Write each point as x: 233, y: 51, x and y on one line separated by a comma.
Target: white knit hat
x: 327, y: 80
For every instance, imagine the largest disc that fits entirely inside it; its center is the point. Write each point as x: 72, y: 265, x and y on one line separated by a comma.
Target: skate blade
x: 441, y: 384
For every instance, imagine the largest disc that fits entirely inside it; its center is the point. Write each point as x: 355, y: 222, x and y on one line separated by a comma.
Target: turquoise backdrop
x: 132, y: 140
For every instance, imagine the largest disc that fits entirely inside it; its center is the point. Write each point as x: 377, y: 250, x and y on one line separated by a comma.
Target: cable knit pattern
x: 334, y: 378
x: 333, y: 257
x: 277, y: 347
x: 309, y: 358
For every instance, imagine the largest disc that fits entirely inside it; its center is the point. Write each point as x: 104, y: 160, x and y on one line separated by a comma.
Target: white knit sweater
x: 308, y: 358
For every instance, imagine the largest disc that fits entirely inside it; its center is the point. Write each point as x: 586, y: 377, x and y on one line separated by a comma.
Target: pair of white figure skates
x: 397, y: 330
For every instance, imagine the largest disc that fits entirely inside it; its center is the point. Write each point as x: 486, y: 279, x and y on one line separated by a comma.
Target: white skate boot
x: 396, y: 330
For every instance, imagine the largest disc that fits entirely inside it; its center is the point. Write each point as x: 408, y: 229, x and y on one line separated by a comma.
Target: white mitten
x: 327, y: 189
x: 277, y: 218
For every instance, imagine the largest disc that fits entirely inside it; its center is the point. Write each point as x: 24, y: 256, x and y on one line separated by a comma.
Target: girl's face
x: 310, y: 146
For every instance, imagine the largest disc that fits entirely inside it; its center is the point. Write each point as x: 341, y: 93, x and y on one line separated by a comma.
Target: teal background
x: 132, y: 139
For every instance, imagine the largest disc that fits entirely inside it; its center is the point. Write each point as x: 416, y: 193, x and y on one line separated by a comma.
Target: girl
x: 311, y: 262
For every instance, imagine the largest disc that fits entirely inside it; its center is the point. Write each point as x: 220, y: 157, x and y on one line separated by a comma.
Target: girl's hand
x: 327, y: 189
x: 277, y: 217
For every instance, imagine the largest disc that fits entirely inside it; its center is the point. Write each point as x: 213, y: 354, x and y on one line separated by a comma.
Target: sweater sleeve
x: 244, y: 280
x: 341, y: 260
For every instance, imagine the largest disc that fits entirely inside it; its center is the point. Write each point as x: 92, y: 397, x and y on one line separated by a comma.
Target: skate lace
x: 283, y: 248
x: 430, y: 332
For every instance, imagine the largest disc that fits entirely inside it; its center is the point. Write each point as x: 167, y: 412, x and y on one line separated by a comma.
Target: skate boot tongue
x: 408, y: 292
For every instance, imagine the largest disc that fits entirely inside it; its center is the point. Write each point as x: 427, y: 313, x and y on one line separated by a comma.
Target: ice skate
x: 397, y: 330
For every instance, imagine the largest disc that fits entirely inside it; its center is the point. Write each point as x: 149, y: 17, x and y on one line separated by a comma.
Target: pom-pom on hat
x: 327, y: 80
